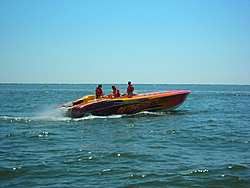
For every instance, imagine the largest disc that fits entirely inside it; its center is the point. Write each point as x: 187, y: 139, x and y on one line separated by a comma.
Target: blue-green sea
x: 203, y: 143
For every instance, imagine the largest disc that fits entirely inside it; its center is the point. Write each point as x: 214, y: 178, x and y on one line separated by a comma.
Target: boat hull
x: 152, y: 102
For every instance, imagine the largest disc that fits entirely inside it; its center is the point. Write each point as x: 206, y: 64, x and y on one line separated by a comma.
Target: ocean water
x: 203, y: 143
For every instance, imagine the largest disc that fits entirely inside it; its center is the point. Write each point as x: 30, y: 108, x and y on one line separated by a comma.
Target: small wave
x: 195, y: 171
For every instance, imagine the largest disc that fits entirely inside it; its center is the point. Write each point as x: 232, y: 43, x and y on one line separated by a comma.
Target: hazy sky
x: 180, y: 42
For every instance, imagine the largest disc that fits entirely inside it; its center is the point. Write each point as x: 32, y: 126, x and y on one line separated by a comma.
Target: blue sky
x: 154, y: 42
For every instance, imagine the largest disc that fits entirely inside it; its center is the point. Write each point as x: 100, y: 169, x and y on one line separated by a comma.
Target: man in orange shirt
x: 116, y: 92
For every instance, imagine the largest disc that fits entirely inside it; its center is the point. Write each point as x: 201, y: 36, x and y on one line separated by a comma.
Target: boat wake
x: 59, y: 114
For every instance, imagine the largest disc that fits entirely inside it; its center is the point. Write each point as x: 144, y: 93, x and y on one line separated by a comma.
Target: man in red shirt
x: 98, y: 92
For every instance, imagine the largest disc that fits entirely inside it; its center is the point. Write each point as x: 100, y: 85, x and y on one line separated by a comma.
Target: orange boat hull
x: 155, y: 101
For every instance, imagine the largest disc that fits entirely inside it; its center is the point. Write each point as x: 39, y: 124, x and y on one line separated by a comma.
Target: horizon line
x: 63, y: 83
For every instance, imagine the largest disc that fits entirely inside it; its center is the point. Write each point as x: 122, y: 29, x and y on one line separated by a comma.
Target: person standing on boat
x: 130, y: 89
x: 98, y: 92
x: 116, y: 92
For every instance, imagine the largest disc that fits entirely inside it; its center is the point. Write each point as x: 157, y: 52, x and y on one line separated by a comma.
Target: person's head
x: 113, y: 87
x: 100, y: 85
x: 129, y: 82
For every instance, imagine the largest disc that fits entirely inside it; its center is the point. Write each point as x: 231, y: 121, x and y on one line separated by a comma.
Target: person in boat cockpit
x: 130, y: 89
x: 98, y: 92
x: 116, y: 92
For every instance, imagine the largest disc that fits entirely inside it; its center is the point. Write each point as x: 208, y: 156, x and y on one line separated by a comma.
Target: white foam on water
x: 90, y: 116
x: 59, y: 114
x: 53, y: 112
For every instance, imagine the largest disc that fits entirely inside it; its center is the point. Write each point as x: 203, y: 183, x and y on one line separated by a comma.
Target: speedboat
x: 108, y: 105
